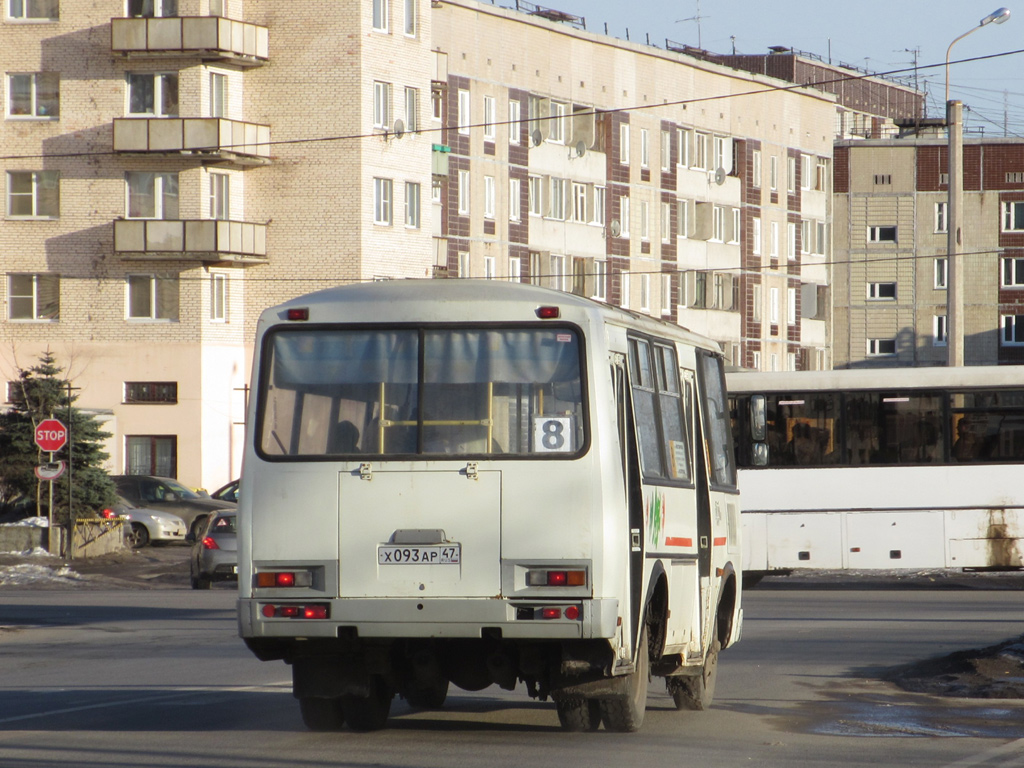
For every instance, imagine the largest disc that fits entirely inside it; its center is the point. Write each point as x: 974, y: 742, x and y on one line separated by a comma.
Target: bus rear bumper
x: 436, y: 617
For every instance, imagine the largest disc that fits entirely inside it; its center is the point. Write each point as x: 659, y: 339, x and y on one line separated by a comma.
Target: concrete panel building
x: 172, y: 167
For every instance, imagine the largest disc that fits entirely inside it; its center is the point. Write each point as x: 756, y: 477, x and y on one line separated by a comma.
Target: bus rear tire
x: 369, y: 713
x: 579, y: 715
x: 626, y: 715
x: 428, y: 697
x: 697, y: 692
x: 322, y: 714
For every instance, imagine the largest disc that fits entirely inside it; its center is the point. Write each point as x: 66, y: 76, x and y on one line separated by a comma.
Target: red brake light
x: 284, y: 579
x: 548, y: 313
x: 108, y: 514
x: 551, y: 613
x: 298, y: 313
x: 209, y: 543
x: 557, y: 578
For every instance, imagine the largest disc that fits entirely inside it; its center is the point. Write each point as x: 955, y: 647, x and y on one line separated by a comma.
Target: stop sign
x: 51, y: 435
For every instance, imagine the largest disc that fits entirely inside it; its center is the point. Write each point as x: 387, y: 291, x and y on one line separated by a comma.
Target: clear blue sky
x: 871, y: 34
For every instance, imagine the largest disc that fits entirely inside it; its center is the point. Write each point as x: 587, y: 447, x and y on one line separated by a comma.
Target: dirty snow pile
x: 31, y: 573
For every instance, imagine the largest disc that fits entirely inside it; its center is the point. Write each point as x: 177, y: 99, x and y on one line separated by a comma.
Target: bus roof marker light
x: 298, y: 313
x: 548, y: 313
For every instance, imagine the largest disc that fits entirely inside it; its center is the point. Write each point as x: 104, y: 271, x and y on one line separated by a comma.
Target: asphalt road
x: 91, y: 676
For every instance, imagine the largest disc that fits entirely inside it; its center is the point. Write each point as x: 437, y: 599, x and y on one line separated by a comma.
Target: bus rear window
x: 421, y: 392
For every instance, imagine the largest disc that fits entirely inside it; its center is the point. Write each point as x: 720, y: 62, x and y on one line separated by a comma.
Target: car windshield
x: 181, y: 490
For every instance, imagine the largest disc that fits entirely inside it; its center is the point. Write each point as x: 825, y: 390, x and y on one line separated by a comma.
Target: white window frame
x: 489, y: 197
x: 700, y: 150
x: 600, y: 280
x: 734, y: 234
x: 773, y: 306
x: 755, y: 168
x: 160, y: 81
x: 790, y: 174
x: 600, y: 200
x: 791, y: 306
x: 556, y: 122
x: 514, y: 120
x: 490, y: 268
x: 490, y: 116
x: 558, y: 277
x: 941, y: 220
x: 38, y: 108
x: 806, y: 177
x: 1009, y: 335
x: 645, y: 292
x: 535, y: 198
x: 39, y: 180
x: 878, y: 291
x: 383, y: 199
x: 218, y: 297
x: 412, y: 204
x: 773, y: 240
x: 1012, y: 272
x: 1013, y: 216
x: 624, y: 144
x: 683, y: 216
x: 791, y: 240
x: 35, y: 314
x: 645, y: 148
x: 940, y: 273
x: 718, y: 224
x: 514, y: 192
x: 666, y: 222
x: 464, y: 264
x: 685, y: 140
x: 558, y: 203
x: 666, y: 151
x: 879, y: 347
x: 463, y: 193
x: 21, y: 10
x: 718, y: 158
x: 940, y: 331
x: 436, y: 104
x: 579, y: 202
x: 412, y: 109
x: 666, y: 293
x: 515, y: 269
x: 645, y: 220
x: 755, y: 235
x: 381, y: 105
x: 379, y: 20
x: 773, y: 175
x: 410, y: 23
x: 220, y: 196
x: 624, y: 216
x: 875, y: 234
x: 153, y: 285
x: 164, y: 188
x: 624, y: 288
x: 465, y: 116
x: 219, y: 90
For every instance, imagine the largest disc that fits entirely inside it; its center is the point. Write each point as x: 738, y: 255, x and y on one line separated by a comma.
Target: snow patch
x: 32, y: 573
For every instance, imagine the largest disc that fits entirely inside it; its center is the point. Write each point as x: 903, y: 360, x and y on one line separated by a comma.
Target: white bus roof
x: 431, y: 301
x: 968, y: 377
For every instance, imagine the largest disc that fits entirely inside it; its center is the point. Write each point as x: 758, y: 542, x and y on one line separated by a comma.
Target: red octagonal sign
x: 51, y: 435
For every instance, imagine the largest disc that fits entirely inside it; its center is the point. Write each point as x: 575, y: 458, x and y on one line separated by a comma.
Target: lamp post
x: 954, y: 239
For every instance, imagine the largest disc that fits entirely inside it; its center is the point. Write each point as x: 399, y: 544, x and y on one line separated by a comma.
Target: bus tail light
x: 310, y: 611
x: 548, y: 313
x: 544, y: 577
x: 549, y: 612
x: 284, y: 579
x: 298, y: 313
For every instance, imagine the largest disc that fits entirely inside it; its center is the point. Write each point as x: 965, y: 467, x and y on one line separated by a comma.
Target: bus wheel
x: 579, y: 714
x: 322, y: 714
x: 697, y: 692
x: 626, y: 715
x: 369, y: 713
x: 428, y: 697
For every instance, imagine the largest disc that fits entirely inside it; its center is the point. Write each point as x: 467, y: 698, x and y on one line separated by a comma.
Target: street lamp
x: 954, y: 239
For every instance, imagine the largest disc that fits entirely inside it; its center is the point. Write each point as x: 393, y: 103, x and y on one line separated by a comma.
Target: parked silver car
x: 147, y: 526
x: 215, y: 551
x: 169, y: 495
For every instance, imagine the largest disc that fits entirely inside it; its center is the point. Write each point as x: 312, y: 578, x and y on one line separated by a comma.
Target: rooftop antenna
x: 916, y: 52
x: 698, y: 18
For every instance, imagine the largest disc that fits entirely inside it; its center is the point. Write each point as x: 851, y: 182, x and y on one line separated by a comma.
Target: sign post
x: 51, y: 435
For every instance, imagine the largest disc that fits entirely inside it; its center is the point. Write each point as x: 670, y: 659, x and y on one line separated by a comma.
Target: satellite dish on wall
x: 399, y: 128
x: 616, y: 228
x: 581, y: 149
x: 536, y: 138
x: 720, y: 176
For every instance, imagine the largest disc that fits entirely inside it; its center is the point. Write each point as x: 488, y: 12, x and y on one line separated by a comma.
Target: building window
x: 624, y: 213
x: 464, y: 113
x: 535, y: 194
x: 514, y: 191
x: 33, y: 297
x: 645, y: 148
x: 136, y: 392
x: 380, y: 15
x: 791, y: 306
x: 734, y: 232
x: 773, y: 240
x: 939, y: 338
x: 666, y: 150
x: 881, y: 347
x: 556, y: 125
x: 600, y: 197
x: 600, y: 279
x: 489, y: 197
x: 33, y: 194
x: 218, y: 297
x: 151, y: 195
x: 624, y: 144
x: 463, y: 202
x: 412, y: 205
x: 153, y: 94
x: 1013, y: 216
x: 435, y: 191
x: 624, y: 289
x: 666, y: 222
x: 722, y: 157
x: 881, y: 234
x: 645, y: 220
x: 436, y: 103
x: 381, y: 105
x: 514, y: 111
x: 149, y: 9
x: 791, y: 175
x: 939, y: 270
x: 791, y: 240
x: 645, y: 292
x: 700, y: 150
x: 410, y: 17
x: 822, y: 242
x: 151, y: 455
x: 756, y: 299
x: 755, y: 235
x: 821, y: 184
x: 559, y: 198
x: 489, y: 118
x: 412, y: 107
x: 1013, y: 272
x: 33, y: 10
x: 490, y: 271
x: 220, y: 196
x: 773, y: 176
x: 718, y: 224
x: 382, y: 197
x: 941, y: 220
x: 218, y: 95
x: 755, y: 168
x: 685, y: 140
x: 666, y: 293
x: 34, y: 95
x: 882, y: 291
x: 773, y: 306
x: 579, y: 202
x: 152, y: 298
x: 558, y: 276
x: 1013, y: 330
x: 515, y: 269
x: 463, y: 264
x: 683, y: 215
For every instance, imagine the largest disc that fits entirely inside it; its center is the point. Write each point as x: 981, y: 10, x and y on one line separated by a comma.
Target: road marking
x: 184, y: 693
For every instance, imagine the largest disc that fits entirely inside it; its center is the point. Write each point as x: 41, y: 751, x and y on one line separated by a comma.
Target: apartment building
x: 891, y: 268
x: 172, y: 167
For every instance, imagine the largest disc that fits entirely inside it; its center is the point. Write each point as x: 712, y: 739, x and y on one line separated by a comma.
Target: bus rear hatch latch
x: 366, y: 471
x: 471, y: 471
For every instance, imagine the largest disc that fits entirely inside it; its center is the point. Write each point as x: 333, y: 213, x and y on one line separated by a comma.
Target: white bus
x: 484, y: 483
x: 882, y: 468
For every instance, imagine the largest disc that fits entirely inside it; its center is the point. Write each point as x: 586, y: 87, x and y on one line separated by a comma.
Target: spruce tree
x: 42, y: 392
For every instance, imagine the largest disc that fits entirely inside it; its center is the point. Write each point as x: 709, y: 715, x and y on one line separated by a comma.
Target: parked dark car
x: 227, y: 492
x: 215, y: 552
x: 169, y: 495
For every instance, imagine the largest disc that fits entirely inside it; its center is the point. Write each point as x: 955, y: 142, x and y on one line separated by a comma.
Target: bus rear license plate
x: 441, y: 554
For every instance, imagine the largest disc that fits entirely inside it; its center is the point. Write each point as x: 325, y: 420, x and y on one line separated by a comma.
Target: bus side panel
x: 800, y: 540
x: 986, y: 538
x: 895, y: 539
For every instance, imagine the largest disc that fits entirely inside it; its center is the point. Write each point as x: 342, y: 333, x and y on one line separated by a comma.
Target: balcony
x: 209, y: 138
x: 201, y: 240
x: 211, y: 38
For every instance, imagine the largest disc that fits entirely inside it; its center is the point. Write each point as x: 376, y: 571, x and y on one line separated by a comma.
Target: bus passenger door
x: 634, y: 494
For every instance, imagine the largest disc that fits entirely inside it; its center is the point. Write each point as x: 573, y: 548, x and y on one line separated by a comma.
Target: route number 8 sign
x: 552, y: 434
